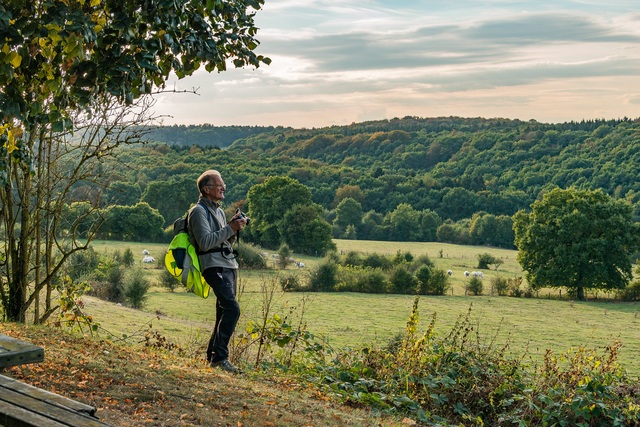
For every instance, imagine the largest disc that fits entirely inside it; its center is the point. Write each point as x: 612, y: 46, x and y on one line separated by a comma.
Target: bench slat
x: 12, y: 401
x: 46, y: 396
x: 14, y: 416
x: 16, y: 352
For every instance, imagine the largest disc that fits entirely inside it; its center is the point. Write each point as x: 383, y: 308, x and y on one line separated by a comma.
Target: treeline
x: 450, y: 179
x: 203, y: 135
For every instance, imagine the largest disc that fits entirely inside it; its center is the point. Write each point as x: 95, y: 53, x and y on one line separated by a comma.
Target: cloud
x: 336, y: 61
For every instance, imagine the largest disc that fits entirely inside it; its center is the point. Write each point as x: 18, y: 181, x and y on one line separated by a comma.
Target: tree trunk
x: 581, y: 296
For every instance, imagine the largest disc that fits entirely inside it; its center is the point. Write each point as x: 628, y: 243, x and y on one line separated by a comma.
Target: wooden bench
x: 23, y: 405
x: 16, y: 352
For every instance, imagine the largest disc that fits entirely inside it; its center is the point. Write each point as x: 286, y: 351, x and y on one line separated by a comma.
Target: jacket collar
x: 209, y: 203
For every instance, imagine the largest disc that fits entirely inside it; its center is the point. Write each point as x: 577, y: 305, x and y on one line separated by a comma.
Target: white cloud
x: 337, y: 61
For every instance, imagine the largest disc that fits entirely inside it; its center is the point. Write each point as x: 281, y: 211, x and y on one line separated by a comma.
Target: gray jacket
x: 209, y: 231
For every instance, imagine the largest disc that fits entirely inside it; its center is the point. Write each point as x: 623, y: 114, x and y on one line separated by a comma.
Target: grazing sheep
x: 479, y: 274
x: 148, y: 259
x: 300, y: 264
x: 449, y: 272
x: 466, y: 274
x: 145, y: 252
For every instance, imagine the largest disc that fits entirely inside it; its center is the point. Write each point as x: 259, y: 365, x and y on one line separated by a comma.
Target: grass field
x: 349, y: 320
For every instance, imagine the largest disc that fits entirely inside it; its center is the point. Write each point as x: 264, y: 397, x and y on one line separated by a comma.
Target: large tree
x: 577, y: 239
x: 268, y: 202
x: 281, y: 211
x: 64, y: 63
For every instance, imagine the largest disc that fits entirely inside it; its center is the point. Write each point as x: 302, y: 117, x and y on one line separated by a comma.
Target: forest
x: 450, y: 179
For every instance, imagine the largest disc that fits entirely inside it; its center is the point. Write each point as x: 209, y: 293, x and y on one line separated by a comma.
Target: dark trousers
x: 223, y: 283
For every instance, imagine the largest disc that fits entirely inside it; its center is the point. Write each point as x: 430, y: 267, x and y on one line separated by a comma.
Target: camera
x: 242, y: 215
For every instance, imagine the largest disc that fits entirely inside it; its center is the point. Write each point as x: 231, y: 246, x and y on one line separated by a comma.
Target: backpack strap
x: 223, y: 249
x: 226, y: 251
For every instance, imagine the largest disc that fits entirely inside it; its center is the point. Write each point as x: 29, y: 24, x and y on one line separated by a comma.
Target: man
x: 213, y: 237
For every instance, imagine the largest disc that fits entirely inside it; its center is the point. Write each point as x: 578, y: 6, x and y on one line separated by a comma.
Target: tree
x: 122, y: 193
x: 578, y: 239
x: 305, y: 231
x: 429, y: 221
x: 488, y: 229
x: 65, y: 63
x: 269, y: 202
x: 138, y: 223
x: 51, y: 204
x: 348, y: 212
x: 172, y: 197
x: 58, y: 56
x: 348, y: 191
x: 405, y: 223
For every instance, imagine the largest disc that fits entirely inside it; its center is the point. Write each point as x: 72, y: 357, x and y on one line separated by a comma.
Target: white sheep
x: 449, y: 272
x: 148, y: 259
x: 479, y: 274
x: 145, y: 252
x: 466, y: 274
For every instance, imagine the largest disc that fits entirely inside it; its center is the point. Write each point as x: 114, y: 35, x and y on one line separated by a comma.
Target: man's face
x: 215, y: 189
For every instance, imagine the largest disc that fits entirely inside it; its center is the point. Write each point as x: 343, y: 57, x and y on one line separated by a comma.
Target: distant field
x: 351, y: 319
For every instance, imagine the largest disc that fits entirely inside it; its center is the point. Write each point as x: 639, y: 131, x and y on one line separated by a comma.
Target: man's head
x: 211, y: 185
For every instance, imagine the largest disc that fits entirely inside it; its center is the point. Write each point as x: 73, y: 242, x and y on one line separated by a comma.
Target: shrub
x: 361, y: 279
x: 484, y: 260
x: 114, y: 278
x: 249, y: 257
x: 631, y: 292
x: 323, y: 277
x: 437, y: 284
x: 514, y: 287
x: 284, y: 256
x: 136, y: 289
x: 401, y: 281
x: 377, y: 261
x: 290, y: 283
x: 332, y: 257
x: 352, y: 258
x: 402, y: 257
x: 422, y: 260
x: 475, y: 286
x: 423, y: 275
x: 371, y: 281
x: 127, y: 258
x: 168, y: 280
x: 83, y: 264
x: 500, y: 285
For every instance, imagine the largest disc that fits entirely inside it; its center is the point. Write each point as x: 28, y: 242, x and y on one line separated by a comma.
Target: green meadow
x: 528, y: 326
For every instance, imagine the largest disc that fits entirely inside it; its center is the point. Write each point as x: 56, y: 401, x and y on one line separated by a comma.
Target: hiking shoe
x: 225, y: 365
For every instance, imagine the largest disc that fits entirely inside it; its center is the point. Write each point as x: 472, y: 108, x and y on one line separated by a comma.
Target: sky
x: 337, y: 62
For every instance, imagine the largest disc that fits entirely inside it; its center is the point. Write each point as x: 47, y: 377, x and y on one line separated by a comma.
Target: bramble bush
x: 457, y: 379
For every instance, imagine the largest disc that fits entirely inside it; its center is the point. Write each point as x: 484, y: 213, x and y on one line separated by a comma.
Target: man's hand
x: 237, y: 223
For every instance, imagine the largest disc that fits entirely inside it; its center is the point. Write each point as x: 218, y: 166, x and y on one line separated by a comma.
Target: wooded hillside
x: 454, y: 169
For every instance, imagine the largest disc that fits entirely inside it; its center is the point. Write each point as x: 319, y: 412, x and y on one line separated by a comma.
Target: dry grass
x: 134, y: 385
